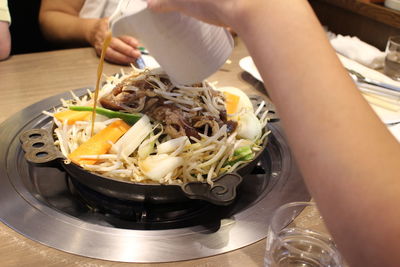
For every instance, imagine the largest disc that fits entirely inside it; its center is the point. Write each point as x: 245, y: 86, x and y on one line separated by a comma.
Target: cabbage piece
x: 131, y: 140
x: 171, y: 145
x: 249, y: 127
x: 156, y: 167
x: 147, y: 147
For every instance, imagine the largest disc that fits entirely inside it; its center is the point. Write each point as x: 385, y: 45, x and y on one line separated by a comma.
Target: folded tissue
x: 357, y: 50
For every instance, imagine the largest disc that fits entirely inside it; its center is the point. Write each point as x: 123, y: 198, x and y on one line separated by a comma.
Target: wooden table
x: 28, y: 78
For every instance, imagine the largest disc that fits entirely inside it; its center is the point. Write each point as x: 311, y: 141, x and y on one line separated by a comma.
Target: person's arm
x: 5, y: 40
x: 60, y: 23
x: 349, y: 160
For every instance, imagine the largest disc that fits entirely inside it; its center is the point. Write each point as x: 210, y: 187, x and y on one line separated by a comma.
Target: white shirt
x: 4, y: 12
x: 98, y: 8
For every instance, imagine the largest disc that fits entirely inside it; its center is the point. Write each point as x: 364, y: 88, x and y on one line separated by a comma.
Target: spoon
x: 358, y: 77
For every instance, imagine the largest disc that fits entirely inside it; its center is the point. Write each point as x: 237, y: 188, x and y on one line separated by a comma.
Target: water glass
x: 392, y: 58
x: 303, y: 242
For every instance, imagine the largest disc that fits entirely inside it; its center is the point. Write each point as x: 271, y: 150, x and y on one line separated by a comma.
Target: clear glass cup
x: 303, y: 242
x: 392, y: 58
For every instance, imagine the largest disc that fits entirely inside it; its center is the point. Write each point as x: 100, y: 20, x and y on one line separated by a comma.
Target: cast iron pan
x: 40, y: 150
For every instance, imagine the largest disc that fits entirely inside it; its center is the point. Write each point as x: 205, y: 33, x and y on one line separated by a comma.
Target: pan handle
x: 222, y: 192
x: 39, y: 148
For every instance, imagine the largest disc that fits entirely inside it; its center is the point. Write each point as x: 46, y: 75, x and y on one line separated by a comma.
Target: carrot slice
x: 99, y: 143
x: 72, y: 116
x: 231, y: 103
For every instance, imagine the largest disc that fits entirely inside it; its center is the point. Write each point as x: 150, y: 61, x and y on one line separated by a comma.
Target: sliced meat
x: 123, y: 96
x: 151, y: 103
x: 201, y: 121
x: 139, y: 96
x: 214, y: 123
x: 231, y: 126
x: 173, y: 118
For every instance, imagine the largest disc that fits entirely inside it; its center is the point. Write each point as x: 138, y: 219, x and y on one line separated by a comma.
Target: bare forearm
x: 65, y: 28
x: 60, y: 23
x: 5, y: 40
x: 349, y: 160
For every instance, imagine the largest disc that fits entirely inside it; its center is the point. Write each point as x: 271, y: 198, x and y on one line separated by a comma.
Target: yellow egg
x: 236, y: 101
x: 234, y: 104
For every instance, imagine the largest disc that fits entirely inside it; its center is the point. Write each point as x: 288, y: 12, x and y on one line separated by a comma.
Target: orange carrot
x: 99, y: 143
x: 231, y: 102
x: 72, y: 116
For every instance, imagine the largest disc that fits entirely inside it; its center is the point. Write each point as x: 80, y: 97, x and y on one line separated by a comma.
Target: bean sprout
x: 205, y: 157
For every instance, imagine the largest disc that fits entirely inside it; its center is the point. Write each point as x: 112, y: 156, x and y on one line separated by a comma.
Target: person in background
x: 85, y: 22
x: 348, y: 158
x: 5, y: 38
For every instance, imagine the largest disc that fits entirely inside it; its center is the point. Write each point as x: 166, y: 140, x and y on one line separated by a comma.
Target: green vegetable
x: 129, y: 118
x: 243, y: 153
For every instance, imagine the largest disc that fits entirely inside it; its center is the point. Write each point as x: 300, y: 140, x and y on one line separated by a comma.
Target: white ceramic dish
x: 386, y: 116
x: 247, y: 64
x: 395, y: 130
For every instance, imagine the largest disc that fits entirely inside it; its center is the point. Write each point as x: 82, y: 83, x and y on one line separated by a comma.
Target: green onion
x: 243, y: 153
x: 130, y: 118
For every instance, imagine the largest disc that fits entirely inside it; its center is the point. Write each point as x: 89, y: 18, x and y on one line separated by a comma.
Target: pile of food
x: 148, y: 130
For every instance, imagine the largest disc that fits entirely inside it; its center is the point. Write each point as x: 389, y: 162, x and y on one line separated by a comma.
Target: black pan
x: 40, y: 150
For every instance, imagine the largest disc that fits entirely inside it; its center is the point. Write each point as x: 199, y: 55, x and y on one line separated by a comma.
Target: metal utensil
x: 392, y: 123
x: 380, y: 91
x: 358, y: 77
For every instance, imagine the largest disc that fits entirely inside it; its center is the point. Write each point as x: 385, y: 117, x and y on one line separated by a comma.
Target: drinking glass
x: 392, y: 58
x: 301, y: 242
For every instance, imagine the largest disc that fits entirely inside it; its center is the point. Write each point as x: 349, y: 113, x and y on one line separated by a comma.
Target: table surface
x: 25, y: 79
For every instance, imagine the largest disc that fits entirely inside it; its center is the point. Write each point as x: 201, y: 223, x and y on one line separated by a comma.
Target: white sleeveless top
x: 98, y: 8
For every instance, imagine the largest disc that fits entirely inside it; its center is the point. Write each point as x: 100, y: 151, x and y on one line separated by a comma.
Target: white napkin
x: 359, y: 51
